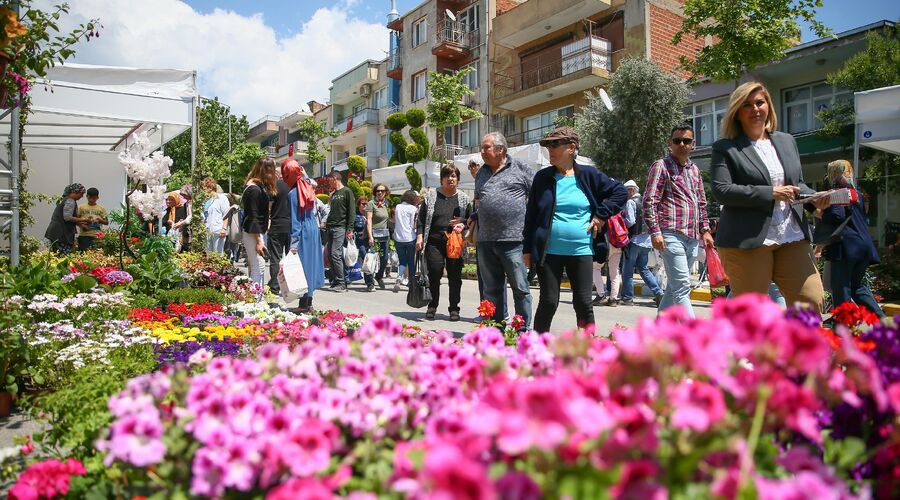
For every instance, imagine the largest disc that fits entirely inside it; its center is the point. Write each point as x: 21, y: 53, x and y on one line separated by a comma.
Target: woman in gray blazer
x: 756, y: 175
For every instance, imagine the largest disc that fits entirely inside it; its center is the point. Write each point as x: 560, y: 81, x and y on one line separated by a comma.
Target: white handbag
x: 351, y: 254
x: 370, y: 263
x: 291, y: 277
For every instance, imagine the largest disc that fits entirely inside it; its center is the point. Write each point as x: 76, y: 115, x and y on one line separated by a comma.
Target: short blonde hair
x: 731, y: 126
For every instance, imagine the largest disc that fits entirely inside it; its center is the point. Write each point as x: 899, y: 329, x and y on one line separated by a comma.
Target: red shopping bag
x: 717, y: 276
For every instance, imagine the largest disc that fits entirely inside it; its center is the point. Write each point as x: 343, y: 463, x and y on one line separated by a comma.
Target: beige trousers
x: 790, y: 266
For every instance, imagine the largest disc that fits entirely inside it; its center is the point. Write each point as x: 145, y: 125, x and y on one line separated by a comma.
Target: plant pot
x: 5, y: 403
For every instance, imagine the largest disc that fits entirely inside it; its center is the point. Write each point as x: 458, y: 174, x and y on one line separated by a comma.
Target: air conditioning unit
x: 365, y: 90
x: 271, y: 150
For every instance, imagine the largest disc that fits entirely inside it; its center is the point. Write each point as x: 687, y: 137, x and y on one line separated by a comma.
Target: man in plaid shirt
x: 675, y: 215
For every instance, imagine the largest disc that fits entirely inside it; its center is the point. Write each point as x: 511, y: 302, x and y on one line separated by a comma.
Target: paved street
x: 357, y: 300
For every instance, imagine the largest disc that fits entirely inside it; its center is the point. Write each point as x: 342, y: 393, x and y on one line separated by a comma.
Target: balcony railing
x: 395, y: 60
x: 264, y: 119
x: 454, y: 33
x: 589, y: 52
x: 362, y: 117
x: 448, y: 151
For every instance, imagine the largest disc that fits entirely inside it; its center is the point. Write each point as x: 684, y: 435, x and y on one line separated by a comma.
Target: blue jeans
x: 678, y: 258
x: 406, y: 255
x: 847, y: 283
x: 636, y: 258
x: 499, y: 260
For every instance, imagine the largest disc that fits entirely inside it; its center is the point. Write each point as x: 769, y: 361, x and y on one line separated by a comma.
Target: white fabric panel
x: 878, y: 118
x: 171, y: 83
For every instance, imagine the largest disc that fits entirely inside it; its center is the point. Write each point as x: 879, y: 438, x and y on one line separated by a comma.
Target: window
x: 380, y: 98
x: 801, y: 104
x: 358, y: 107
x: 419, y: 32
x: 468, y: 133
x: 468, y: 19
x: 361, y: 151
x: 384, y: 145
x: 418, y: 86
x: 471, y: 80
x: 537, y: 126
x: 706, y: 117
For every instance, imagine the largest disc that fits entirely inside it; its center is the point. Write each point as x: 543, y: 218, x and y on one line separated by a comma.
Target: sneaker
x: 627, y: 302
x: 405, y: 282
x: 341, y: 287
x: 598, y: 301
x: 371, y: 287
x: 657, y: 299
x: 429, y: 314
x: 380, y: 283
x: 396, y: 286
x: 612, y: 303
x: 454, y: 315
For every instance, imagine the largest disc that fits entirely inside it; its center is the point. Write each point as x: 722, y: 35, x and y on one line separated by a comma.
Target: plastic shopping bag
x: 291, y: 277
x: 717, y: 276
x: 370, y: 263
x: 351, y: 254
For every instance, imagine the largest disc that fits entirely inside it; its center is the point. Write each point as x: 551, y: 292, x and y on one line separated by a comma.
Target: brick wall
x: 664, y: 23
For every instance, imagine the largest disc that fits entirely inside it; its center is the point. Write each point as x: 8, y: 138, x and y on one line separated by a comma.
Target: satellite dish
x: 450, y: 15
x: 606, y: 100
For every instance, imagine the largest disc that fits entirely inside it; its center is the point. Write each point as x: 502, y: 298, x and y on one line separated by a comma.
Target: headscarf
x: 178, y: 201
x: 840, y: 172
x: 293, y: 175
x: 73, y: 188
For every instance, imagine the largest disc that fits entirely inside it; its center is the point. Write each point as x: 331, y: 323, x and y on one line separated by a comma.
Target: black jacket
x: 281, y: 210
x: 856, y: 242
x: 606, y: 197
x: 256, y: 209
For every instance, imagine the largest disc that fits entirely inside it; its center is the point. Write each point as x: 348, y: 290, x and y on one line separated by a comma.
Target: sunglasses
x: 557, y: 143
x: 686, y: 141
x: 381, y: 190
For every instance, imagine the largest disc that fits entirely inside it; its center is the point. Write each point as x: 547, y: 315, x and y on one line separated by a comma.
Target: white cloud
x: 238, y: 58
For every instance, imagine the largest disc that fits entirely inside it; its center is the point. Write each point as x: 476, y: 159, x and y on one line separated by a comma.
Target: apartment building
x: 359, y: 105
x: 799, y: 91
x: 277, y: 135
x: 547, y: 53
x: 444, y: 36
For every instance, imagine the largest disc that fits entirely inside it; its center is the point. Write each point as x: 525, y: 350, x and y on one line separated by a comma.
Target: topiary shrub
x: 418, y: 136
x: 357, y: 165
x: 396, y: 121
x: 415, y: 117
x: 414, y: 153
x: 395, y: 159
x: 324, y: 197
x: 415, y: 180
x: 399, y: 143
x: 353, y: 185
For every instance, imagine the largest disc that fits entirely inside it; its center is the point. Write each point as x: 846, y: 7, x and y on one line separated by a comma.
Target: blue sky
x: 284, y: 15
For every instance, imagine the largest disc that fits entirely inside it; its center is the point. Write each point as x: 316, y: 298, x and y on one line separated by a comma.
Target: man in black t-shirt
x: 279, y: 235
x: 339, y: 228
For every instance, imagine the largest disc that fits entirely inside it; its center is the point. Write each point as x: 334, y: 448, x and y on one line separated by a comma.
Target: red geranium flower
x: 486, y: 309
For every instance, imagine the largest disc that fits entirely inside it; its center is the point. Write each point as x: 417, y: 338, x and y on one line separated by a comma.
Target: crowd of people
x: 568, y: 221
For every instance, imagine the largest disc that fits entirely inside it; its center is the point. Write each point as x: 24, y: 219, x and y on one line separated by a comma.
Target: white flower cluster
x: 81, y: 353
x: 261, y: 311
x: 147, y: 168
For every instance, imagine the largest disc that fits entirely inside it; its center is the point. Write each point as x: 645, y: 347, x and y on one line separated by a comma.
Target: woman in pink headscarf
x: 305, y: 239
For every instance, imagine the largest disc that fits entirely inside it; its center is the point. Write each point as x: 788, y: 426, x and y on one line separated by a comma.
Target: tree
x: 315, y: 131
x: 877, y: 66
x: 446, y: 108
x: 648, y: 102
x: 357, y: 166
x: 746, y: 33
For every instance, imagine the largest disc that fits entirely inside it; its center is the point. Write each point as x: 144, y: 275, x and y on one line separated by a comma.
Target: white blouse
x: 784, y: 228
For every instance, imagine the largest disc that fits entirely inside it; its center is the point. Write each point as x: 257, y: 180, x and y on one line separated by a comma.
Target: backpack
x: 618, y: 232
x: 638, y: 226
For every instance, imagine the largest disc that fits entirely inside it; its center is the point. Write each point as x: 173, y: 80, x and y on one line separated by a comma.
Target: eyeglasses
x: 679, y: 140
x: 381, y: 190
x: 557, y: 143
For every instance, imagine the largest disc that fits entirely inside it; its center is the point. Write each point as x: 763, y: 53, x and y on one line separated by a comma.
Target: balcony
x: 585, y: 64
x: 453, y: 40
x: 348, y: 127
x: 299, y: 150
x: 395, y: 63
x: 262, y: 128
x: 532, y: 20
x: 347, y: 88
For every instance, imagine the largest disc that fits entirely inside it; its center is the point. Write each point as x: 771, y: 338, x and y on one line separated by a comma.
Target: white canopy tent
x: 878, y: 127
x: 82, y: 117
x: 533, y: 155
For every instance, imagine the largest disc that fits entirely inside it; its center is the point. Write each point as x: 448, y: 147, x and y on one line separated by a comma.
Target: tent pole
x: 15, y: 168
x: 193, y: 135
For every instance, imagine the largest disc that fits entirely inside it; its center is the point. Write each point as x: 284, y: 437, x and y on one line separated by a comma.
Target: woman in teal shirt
x: 564, y: 219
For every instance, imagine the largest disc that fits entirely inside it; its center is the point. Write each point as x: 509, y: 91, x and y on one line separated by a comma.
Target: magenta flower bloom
x: 451, y: 475
x: 696, y: 405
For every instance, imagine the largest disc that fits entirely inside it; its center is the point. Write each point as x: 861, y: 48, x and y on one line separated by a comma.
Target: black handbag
x: 826, y: 234
x: 419, y: 294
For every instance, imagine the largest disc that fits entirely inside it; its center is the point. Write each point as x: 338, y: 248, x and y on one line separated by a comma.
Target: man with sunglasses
x: 675, y: 215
